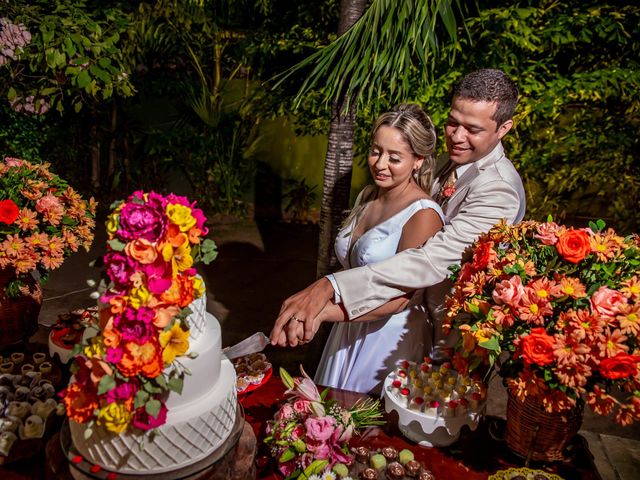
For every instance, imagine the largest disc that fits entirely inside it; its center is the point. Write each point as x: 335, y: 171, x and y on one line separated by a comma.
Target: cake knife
x: 254, y: 343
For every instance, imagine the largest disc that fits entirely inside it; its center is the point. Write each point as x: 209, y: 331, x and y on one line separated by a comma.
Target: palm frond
x: 373, y: 57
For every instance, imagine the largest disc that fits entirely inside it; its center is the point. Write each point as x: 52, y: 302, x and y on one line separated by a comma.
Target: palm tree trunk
x: 339, y: 159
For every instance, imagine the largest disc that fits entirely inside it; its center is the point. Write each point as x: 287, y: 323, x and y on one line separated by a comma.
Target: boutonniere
x: 448, y: 189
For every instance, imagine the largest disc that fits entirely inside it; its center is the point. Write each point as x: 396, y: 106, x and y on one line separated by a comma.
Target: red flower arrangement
x: 562, y: 305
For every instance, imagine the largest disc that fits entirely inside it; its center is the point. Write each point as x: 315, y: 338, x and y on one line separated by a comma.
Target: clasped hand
x: 300, y: 315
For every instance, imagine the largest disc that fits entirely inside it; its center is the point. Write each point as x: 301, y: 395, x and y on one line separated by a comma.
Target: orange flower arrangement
x: 558, y: 309
x: 42, y: 220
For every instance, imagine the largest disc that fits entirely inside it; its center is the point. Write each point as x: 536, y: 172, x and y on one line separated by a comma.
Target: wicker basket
x: 537, y: 435
x: 18, y: 316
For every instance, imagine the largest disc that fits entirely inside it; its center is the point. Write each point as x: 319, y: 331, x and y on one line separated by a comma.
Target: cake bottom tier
x: 193, y: 431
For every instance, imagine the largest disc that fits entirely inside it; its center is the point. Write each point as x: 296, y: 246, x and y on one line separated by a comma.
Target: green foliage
x: 74, y: 55
x: 299, y: 197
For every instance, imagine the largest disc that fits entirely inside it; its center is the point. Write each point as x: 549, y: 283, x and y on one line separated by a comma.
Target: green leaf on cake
x: 176, y: 384
x: 153, y: 407
x: 141, y: 398
x: 208, y: 251
x: 116, y: 245
x: 106, y: 384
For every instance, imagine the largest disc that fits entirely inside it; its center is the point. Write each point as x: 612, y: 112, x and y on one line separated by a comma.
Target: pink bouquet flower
x: 559, y: 309
x: 310, y: 434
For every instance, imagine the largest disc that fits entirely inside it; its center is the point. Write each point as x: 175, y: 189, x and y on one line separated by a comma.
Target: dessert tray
x: 68, y: 330
x: 252, y: 371
x: 433, y: 402
x: 523, y: 474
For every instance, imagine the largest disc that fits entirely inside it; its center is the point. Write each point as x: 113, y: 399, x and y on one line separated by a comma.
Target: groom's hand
x: 301, y: 307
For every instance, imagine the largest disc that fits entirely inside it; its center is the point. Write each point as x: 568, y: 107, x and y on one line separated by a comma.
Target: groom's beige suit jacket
x: 489, y: 190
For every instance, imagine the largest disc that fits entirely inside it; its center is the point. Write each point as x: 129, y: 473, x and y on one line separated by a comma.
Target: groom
x: 476, y: 186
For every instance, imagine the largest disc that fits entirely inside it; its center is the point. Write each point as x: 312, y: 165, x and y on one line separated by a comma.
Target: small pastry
x: 7, y: 367
x: 10, y: 424
x: 33, y: 427
x: 22, y: 394
x: 426, y: 475
x: 369, y: 474
x: 19, y: 409
x: 17, y: 358
x: 416, y: 403
x: 45, y: 368
x: 450, y: 408
x: 432, y: 409
x: 39, y: 357
x: 378, y: 461
x: 403, y: 396
x: 405, y: 456
x: 6, y: 441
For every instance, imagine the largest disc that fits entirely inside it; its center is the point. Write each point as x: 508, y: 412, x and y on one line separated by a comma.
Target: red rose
x: 537, y: 347
x: 8, y: 211
x: 573, y: 245
x: 620, y: 366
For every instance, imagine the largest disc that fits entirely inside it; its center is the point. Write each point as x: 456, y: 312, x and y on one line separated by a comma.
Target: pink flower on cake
x: 135, y: 325
x: 141, y: 250
x: 547, y: 233
x: 144, y: 421
x: 124, y: 391
x: 141, y: 221
x: 119, y: 269
x: 606, y: 302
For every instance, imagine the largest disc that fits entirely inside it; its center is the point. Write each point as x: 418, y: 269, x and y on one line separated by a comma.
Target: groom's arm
x: 366, y: 288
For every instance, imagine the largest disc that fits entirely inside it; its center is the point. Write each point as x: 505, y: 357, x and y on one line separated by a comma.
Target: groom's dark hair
x: 490, y: 85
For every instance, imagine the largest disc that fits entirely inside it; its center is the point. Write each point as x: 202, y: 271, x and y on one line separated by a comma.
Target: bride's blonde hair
x: 418, y: 131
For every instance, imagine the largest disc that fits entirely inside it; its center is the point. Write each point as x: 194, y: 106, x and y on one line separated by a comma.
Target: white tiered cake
x: 199, y: 419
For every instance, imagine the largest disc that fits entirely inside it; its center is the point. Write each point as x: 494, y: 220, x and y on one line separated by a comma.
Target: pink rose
x: 547, y: 233
x: 320, y: 450
x: 285, y: 413
x: 320, y: 428
x: 48, y: 203
x: 509, y: 291
x: 607, y: 302
x: 302, y: 406
x: 124, y: 391
x: 14, y: 162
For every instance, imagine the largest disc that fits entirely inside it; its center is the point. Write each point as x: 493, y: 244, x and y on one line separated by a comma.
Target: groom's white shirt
x: 486, y: 191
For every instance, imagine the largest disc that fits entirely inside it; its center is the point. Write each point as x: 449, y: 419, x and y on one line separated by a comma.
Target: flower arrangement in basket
x: 42, y: 221
x: 123, y: 375
x: 564, y: 303
x: 309, y: 434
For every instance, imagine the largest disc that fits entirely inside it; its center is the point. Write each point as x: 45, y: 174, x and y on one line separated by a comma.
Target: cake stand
x: 427, y: 430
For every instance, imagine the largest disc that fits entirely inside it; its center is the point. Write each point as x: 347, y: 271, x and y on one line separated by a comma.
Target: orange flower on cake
x: 557, y: 311
x: 153, y: 243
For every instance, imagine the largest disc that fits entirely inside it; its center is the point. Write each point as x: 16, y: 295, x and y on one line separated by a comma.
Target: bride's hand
x: 293, y: 333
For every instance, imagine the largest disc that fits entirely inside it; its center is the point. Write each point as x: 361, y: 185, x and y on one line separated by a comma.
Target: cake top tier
x: 123, y: 374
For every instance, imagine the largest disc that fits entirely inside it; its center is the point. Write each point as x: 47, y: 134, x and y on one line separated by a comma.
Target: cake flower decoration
x: 122, y: 375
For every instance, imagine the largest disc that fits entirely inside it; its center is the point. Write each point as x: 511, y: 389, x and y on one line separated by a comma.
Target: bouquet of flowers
x: 564, y: 303
x: 309, y: 434
x: 42, y: 220
x: 123, y: 375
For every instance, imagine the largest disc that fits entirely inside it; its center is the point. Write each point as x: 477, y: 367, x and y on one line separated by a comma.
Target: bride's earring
x: 415, y: 174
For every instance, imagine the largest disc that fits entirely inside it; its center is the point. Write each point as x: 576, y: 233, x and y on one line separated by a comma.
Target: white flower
x: 315, y: 477
x: 328, y: 475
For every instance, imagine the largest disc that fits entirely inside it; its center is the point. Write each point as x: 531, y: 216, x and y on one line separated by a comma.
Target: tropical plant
x: 299, y: 197
x: 371, y: 60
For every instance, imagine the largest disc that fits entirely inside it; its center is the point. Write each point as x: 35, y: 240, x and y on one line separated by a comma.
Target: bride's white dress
x: 359, y: 355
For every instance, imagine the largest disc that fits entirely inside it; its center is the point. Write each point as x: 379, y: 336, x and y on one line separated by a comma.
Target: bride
x: 394, y: 214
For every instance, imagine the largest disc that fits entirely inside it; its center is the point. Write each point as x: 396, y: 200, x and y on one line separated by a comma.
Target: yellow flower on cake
x: 181, y: 216
x: 112, y: 223
x: 175, y: 342
x: 198, y: 287
x: 95, y: 348
x: 115, y: 417
x: 139, y: 296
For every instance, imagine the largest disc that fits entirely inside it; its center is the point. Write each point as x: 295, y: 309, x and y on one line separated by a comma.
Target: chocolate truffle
x: 389, y: 453
x: 362, y: 454
x: 413, y: 468
x: 426, y: 475
x: 369, y: 474
x: 395, y: 471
